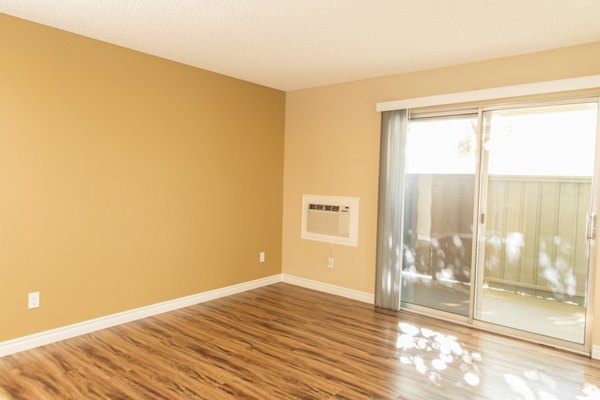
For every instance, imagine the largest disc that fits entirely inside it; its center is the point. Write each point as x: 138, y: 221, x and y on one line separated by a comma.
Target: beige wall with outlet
x: 126, y: 179
x: 332, y: 148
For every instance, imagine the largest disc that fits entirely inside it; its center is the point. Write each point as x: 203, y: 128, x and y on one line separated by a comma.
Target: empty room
x: 336, y: 199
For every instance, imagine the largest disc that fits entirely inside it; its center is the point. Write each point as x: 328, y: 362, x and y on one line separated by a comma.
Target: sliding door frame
x: 479, y: 212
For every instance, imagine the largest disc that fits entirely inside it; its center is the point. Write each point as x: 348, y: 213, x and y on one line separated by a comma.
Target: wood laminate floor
x: 287, y: 342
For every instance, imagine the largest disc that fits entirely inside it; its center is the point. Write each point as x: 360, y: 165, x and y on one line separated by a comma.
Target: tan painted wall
x: 332, y: 147
x: 126, y: 179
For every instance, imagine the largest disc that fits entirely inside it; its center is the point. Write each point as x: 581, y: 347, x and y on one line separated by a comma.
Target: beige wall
x: 126, y: 179
x: 332, y: 147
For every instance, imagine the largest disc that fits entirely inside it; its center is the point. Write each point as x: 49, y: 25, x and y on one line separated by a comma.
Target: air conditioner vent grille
x: 326, y: 207
x: 331, y: 219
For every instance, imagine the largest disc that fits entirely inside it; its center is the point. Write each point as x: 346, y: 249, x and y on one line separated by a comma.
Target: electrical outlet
x: 261, y: 257
x: 33, y: 300
x: 330, y: 262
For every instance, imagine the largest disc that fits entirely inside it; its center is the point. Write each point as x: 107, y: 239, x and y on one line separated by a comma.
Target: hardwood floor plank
x: 287, y: 342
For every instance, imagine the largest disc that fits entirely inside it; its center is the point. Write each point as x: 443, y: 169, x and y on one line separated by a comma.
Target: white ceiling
x: 293, y: 44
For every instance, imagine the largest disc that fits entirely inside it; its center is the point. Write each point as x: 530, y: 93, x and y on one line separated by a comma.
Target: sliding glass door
x: 497, y: 217
x: 538, y: 164
x: 438, y: 212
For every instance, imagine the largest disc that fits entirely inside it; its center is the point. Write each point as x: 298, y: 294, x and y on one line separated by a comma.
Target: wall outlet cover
x: 33, y: 300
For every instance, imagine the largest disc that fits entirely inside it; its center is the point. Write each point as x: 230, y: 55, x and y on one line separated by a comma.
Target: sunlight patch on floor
x: 415, y: 343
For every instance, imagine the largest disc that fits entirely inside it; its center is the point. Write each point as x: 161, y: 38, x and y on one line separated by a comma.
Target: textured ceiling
x: 293, y: 44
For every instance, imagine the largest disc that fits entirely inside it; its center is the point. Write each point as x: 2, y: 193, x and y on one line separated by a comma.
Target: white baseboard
x: 596, y: 352
x: 55, y: 335
x: 81, y: 328
x: 329, y: 288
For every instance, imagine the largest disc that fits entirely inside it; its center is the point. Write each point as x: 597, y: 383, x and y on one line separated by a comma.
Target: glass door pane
x: 532, y: 268
x: 438, y: 212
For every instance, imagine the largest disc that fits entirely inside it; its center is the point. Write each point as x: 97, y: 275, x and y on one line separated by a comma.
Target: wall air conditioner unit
x: 331, y: 219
